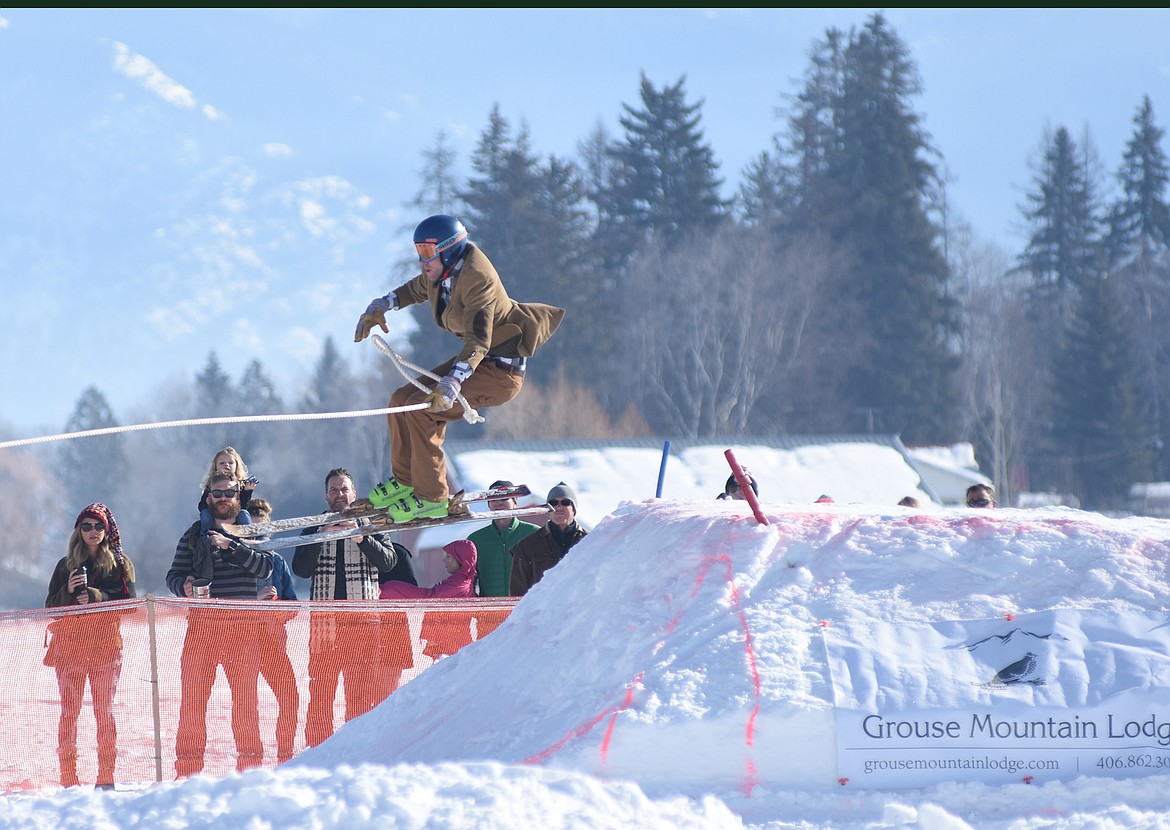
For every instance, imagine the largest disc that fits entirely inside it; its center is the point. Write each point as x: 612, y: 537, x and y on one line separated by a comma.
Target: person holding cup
x: 215, y: 634
x: 89, y: 646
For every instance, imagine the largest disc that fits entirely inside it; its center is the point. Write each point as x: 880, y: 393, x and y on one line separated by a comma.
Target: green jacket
x: 494, y: 549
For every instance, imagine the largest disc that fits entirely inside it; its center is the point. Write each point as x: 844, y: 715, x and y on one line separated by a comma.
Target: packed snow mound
x: 684, y: 624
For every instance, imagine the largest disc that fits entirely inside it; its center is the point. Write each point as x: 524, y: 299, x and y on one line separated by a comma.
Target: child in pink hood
x: 459, y: 559
x: 445, y: 631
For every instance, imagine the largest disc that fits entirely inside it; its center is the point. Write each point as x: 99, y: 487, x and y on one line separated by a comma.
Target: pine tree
x: 863, y: 174
x: 93, y: 469
x: 666, y: 177
x: 1138, y: 250
x: 765, y: 194
x: 440, y: 188
x: 214, y: 394
x: 215, y: 397
x: 530, y: 218
x: 256, y: 395
x: 1100, y: 425
x: 1063, y: 246
x: 330, y: 388
x: 1139, y: 222
x: 330, y: 443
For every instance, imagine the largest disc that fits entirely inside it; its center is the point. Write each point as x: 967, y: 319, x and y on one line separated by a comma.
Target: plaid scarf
x: 344, y: 559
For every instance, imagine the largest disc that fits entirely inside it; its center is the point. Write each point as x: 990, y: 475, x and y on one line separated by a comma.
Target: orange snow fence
x: 276, y: 677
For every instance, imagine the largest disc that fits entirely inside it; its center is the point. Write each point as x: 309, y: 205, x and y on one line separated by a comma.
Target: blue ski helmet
x: 440, y: 236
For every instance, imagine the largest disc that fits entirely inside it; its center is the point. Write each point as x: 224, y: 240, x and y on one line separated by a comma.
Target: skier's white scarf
x: 361, y: 578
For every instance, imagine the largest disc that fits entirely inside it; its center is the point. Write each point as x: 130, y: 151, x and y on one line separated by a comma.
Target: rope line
x: 469, y: 414
x: 401, y: 364
x: 234, y: 419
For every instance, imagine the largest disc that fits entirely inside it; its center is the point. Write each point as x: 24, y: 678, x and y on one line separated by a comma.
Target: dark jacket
x: 380, y: 553
x: 102, y: 587
x: 235, y: 575
x: 537, y: 553
x: 91, y: 639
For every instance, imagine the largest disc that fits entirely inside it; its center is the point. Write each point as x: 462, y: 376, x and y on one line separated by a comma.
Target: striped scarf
x: 344, y: 559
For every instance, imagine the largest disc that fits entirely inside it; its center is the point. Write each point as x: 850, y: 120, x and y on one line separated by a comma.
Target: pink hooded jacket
x: 459, y: 584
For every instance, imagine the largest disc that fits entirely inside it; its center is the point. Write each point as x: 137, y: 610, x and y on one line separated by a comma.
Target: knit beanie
x: 100, y: 513
x: 733, y: 484
x: 500, y: 483
x: 562, y: 491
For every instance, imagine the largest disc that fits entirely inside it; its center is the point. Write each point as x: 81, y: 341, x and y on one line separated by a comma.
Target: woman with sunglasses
x: 498, y: 334
x: 89, y: 646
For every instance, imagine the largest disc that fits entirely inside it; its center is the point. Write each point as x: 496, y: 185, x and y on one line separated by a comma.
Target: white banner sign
x: 1035, y: 697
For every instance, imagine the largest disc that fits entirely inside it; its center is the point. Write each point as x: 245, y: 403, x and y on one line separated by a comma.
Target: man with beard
x: 370, y: 647
x: 218, y: 636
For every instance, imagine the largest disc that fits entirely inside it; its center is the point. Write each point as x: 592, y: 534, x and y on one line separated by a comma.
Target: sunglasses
x: 89, y: 527
x: 979, y: 503
x: 224, y: 494
x: 560, y: 502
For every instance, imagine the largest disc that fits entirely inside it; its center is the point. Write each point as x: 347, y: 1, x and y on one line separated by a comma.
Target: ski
x: 382, y: 524
x: 362, y: 509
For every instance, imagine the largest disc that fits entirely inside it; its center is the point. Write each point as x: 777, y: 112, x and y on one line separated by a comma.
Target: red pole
x: 745, y: 487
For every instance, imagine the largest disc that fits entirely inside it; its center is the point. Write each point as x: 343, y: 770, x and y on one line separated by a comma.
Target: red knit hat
x: 100, y: 513
x: 93, y: 513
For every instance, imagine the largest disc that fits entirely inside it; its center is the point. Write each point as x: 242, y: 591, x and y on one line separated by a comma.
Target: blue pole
x: 662, y: 469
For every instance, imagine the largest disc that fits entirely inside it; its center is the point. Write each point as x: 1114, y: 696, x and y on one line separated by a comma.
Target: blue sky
x: 161, y: 166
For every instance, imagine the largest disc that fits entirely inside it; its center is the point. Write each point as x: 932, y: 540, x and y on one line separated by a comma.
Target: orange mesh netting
x: 276, y: 677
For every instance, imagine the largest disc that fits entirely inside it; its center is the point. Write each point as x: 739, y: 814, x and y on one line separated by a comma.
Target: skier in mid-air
x: 499, y: 334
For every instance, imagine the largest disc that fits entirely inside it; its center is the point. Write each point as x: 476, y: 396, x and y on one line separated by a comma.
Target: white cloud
x: 314, y: 218
x: 4, y: 22
x: 302, y: 344
x: 247, y: 338
x: 277, y: 149
x: 139, y: 68
x: 391, y: 115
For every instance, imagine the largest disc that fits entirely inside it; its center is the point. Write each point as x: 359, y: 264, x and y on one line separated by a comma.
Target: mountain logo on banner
x: 1020, y: 670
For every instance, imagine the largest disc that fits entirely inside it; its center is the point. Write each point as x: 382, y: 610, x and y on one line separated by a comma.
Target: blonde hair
x: 241, y: 468
x: 103, y: 557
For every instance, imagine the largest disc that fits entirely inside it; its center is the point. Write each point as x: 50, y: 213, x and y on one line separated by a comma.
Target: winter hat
x: 99, y: 512
x: 824, y: 500
x: 464, y: 552
x: 732, y: 484
x: 562, y: 491
x: 92, y: 513
x: 500, y: 483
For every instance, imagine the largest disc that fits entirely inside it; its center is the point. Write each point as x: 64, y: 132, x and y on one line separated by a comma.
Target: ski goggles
x: 429, y: 251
